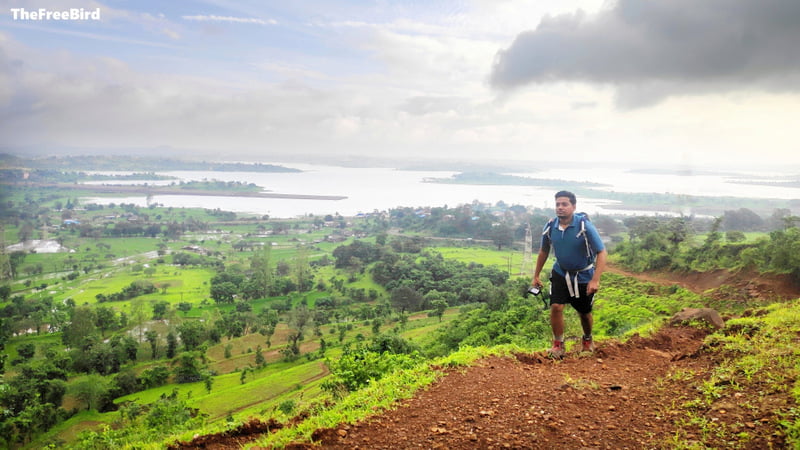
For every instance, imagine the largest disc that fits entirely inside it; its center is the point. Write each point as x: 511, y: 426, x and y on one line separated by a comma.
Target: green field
x: 175, y: 285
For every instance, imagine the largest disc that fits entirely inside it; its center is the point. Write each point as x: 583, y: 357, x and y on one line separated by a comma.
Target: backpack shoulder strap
x: 583, y: 219
x: 548, y: 229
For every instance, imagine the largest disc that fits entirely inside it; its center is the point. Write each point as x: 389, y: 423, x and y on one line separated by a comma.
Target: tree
x: 735, y: 236
x: 502, y: 235
x: 103, y: 358
x: 714, y: 235
x: 26, y: 350
x: 677, y: 230
x: 25, y: 232
x: 208, y: 381
x: 154, y: 377
x: 5, y: 292
x: 262, y: 271
x: 172, y: 344
x: 297, y: 322
x: 189, y: 368
x: 790, y: 221
x: 260, y: 357
x: 376, y: 325
x: 223, y: 292
x: 90, y: 390
x: 105, y: 319
x: 439, y: 307
x: 776, y: 219
x: 302, y: 271
x: 130, y: 347
x: 139, y: 315
x: 81, y: 326
x: 192, y: 334
x: 358, y: 253
x: 15, y: 260
x: 152, y: 338
x: 163, y: 286
x: 184, y: 307
x: 742, y: 219
x: 160, y: 309
x: 405, y: 299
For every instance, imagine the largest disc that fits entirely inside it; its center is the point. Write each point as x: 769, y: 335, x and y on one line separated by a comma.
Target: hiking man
x: 575, y: 278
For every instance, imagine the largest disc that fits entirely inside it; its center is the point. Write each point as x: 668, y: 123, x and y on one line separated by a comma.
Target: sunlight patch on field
x: 485, y: 256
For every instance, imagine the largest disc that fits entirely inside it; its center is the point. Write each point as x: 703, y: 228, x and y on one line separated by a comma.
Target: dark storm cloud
x: 652, y: 49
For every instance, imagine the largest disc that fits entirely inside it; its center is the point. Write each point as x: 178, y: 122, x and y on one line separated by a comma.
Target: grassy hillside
x: 159, y: 323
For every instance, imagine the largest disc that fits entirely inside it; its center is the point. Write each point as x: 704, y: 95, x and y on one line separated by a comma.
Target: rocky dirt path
x: 618, y: 398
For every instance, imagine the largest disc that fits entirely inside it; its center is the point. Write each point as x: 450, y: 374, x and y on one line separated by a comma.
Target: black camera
x: 533, y: 290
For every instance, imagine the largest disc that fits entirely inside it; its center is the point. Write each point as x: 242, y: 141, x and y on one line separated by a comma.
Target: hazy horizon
x: 429, y: 163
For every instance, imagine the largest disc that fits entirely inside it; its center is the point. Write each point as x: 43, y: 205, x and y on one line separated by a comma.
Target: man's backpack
x: 583, y: 218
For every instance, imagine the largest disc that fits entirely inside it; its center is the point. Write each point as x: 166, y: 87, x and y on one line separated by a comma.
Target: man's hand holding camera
x: 535, y: 289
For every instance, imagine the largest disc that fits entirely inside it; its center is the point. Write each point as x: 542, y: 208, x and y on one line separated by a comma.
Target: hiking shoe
x: 557, y: 352
x: 587, y: 345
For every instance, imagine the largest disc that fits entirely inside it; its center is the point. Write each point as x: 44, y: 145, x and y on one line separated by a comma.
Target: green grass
x: 425, y: 332
x: 185, y: 285
x: 68, y: 430
x: 485, y: 256
x: 758, y: 361
x: 230, y: 395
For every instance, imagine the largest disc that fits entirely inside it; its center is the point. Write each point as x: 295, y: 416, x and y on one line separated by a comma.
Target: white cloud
x: 243, y: 20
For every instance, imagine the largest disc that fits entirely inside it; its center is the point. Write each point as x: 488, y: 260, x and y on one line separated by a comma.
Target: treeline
x: 263, y: 278
x: 484, y: 221
x: 61, y: 176
x: 135, y: 289
x: 500, y: 223
x: 415, y: 281
x: 212, y: 185
x: 140, y: 227
x: 655, y: 244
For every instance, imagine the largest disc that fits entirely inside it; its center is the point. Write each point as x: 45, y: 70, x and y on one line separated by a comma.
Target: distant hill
x: 134, y: 163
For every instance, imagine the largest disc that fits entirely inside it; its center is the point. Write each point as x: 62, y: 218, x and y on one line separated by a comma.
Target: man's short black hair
x: 567, y: 194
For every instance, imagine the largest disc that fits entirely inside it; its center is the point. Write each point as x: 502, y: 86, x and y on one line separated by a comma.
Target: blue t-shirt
x: 569, y: 247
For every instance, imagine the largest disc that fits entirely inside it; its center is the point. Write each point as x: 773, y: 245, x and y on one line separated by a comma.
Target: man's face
x: 564, y: 208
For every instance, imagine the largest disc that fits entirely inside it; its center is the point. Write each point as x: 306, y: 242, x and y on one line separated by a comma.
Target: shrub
x: 358, y: 367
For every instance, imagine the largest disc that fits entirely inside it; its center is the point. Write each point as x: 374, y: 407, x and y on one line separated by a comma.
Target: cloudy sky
x: 684, y: 82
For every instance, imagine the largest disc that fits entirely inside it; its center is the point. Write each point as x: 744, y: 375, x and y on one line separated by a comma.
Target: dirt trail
x: 612, y: 399
x: 741, y: 283
x: 624, y: 396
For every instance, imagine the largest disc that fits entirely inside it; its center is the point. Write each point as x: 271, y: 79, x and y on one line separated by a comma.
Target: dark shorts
x: 560, y: 294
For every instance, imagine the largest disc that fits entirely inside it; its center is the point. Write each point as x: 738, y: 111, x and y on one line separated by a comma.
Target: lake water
x: 371, y: 189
